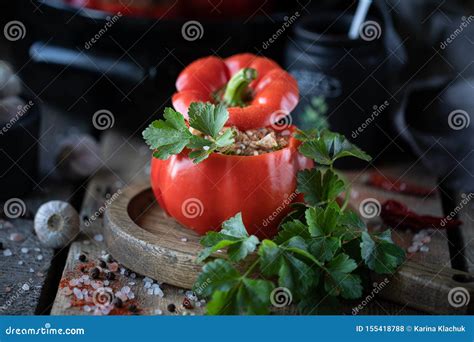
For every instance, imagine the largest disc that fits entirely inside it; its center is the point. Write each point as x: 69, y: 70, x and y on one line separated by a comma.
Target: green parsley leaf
x: 217, y: 275
x: 247, y: 297
x: 330, y: 146
x: 340, y: 281
x: 318, y: 302
x: 230, y: 292
x: 293, y: 273
x: 291, y: 229
x: 319, y: 187
x: 233, y: 236
x: 380, y: 253
x: 208, y: 118
x: 322, y: 222
x: 170, y: 136
x: 167, y: 137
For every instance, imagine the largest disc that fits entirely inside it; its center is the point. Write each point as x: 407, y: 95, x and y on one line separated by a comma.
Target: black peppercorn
x: 133, y: 308
x: 95, y: 273
x: 126, y: 273
x: 1, y: 246
x: 82, y: 258
x: 110, y: 276
x: 117, y: 302
x: 171, y: 307
x: 102, y: 264
x: 110, y: 259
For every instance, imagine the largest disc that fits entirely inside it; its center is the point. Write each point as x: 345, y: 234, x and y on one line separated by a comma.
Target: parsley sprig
x: 320, y: 254
x: 171, y: 135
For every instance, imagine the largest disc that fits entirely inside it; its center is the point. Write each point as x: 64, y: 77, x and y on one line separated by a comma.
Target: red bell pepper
x: 202, y: 196
x: 255, y: 89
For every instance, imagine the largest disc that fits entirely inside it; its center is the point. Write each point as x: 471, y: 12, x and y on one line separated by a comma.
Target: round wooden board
x: 143, y: 238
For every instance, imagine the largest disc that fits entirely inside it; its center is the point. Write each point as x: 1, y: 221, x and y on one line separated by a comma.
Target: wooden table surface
x: 31, y: 283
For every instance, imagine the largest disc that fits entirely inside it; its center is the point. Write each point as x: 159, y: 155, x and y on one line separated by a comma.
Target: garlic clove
x: 56, y: 224
x: 78, y: 157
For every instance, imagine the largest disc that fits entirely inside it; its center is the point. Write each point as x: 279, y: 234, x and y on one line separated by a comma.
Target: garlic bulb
x: 56, y: 224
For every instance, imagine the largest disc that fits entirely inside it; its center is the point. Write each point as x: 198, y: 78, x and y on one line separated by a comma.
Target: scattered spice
x: 102, y: 264
x: 133, y: 308
x: 390, y: 184
x: 95, y: 273
x: 396, y: 214
x: 117, y: 302
x: 110, y: 276
x: 171, y: 307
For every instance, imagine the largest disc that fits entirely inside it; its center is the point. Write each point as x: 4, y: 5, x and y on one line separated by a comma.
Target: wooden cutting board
x: 143, y: 238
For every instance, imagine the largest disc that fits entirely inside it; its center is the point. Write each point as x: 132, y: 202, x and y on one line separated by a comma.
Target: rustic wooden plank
x: 464, y: 209
x: 23, y: 274
x: 430, y: 288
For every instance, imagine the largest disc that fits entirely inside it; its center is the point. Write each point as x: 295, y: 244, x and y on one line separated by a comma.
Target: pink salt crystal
x: 113, y: 267
x: 121, y: 296
x: 426, y: 239
x: 8, y: 289
x: 412, y: 249
x: 17, y: 237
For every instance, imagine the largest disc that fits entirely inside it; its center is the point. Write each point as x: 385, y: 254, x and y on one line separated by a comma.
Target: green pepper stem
x: 237, y: 87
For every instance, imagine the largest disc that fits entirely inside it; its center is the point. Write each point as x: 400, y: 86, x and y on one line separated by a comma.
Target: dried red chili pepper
x: 396, y: 214
x: 390, y: 184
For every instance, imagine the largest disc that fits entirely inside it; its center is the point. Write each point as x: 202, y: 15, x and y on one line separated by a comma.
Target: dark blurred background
x: 82, y: 56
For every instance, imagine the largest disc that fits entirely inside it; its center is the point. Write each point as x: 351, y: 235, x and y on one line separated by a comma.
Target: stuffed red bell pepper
x: 223, y: 154
x: 255, y: 89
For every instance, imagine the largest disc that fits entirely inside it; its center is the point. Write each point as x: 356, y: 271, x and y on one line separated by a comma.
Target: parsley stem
x: 237, y: 88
